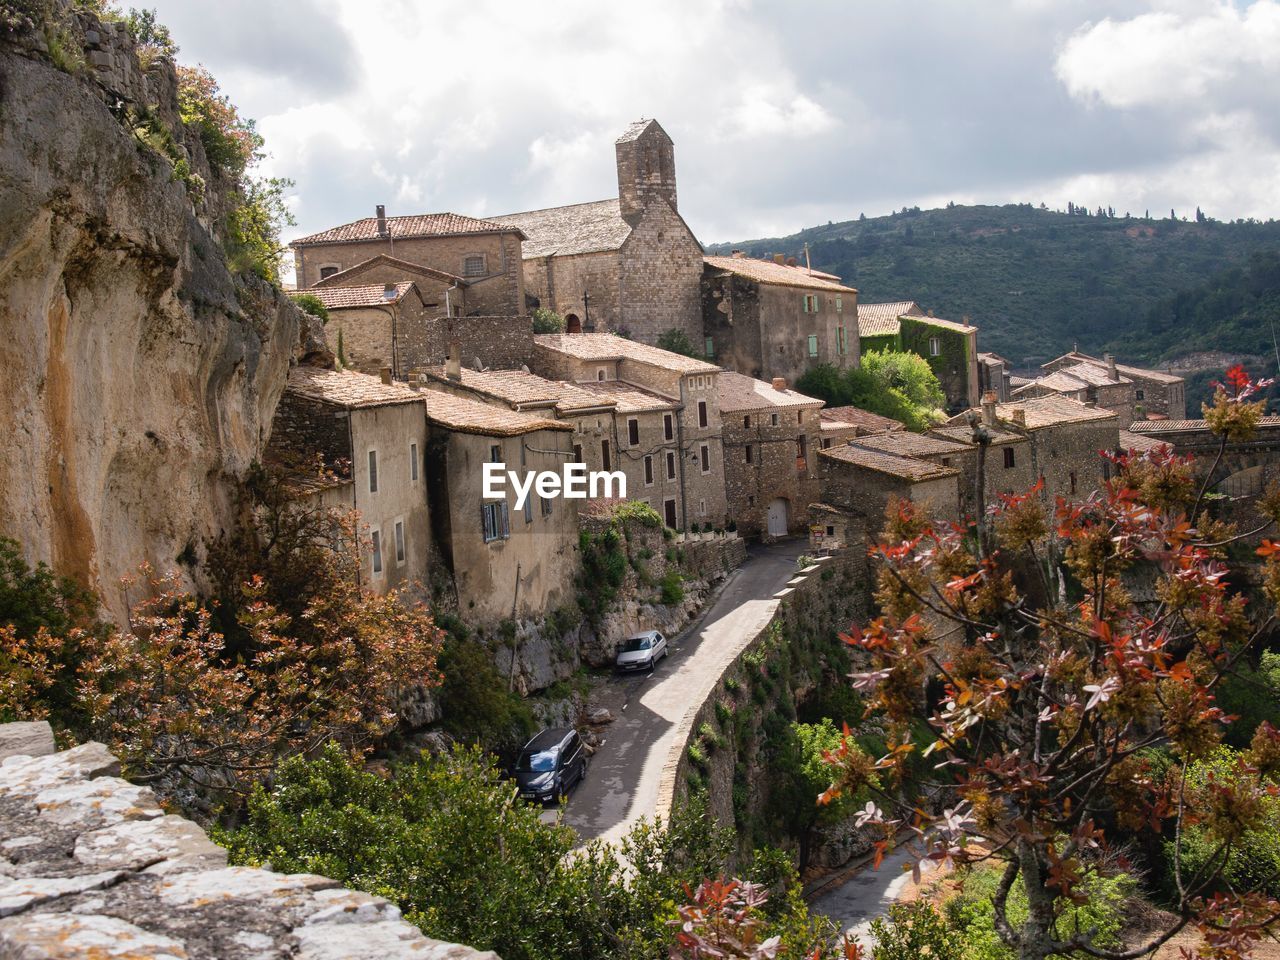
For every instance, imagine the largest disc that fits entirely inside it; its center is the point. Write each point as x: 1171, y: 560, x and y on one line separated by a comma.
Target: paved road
x: 622, y: 784
x: 865, y: 896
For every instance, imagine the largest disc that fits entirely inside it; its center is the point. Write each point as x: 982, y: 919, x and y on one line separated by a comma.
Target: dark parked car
x: 550, y: 764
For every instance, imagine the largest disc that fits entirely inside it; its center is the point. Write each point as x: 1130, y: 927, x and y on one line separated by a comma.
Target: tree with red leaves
x: 1051, y: 656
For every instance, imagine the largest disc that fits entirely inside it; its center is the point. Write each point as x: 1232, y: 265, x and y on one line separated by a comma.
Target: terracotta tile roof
x: 842, y: 418
x: 511, y: 386
x: 1077, y: 377
x: 402, y: 228
x: 608, y: 346
x: 738, y: 392
x: 1173, y: 426
x: 963, y: 433
x: 907, y: 444
x: 346, y: 388
x: 881, y: 319
x: 628, y: 397
x: 1051, y: 410
x: 1133, y: 441
x: 767, y: 271
x: 907, y: 468
x: 368, y: 295
x: 462, y: 415
x: 564, y: 231
x: 1140, y: 372
x: 343, y: 277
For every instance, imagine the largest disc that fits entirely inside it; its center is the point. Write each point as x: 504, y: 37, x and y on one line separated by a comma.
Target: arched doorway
x: 572, y: 324
x: 777, y: 518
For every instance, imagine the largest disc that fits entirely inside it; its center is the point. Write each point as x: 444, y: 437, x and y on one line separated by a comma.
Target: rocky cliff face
x: 138, y: 376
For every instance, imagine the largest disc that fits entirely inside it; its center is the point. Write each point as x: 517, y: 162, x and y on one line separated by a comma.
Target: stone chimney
x: 737, y: 254
x: 382, y: 220
x: 780, y: 259
x: 1020, y: 417
x: 1112, y: 372
x: 779, y: 383
x: 453, y: 366
x: 989, y: 408
x: 792, y: 261
x: 385, y: 373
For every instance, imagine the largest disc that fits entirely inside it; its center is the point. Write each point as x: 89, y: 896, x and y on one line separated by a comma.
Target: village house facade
x: 773, y: 318
x: 484, y: 254
x: 841, y: 424
x: 771, y: 437
x: 1135, y: 393
x: 373, y: 438
x: 665, y: 409
x: 950, y: 348
x: 506, y: 562
x: 628, y: 264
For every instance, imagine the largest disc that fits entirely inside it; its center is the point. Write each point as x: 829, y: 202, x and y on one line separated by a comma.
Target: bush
x: 253, y: 228
x: 476, y: 705
x: 310, y: 303
x: 1253, y: 696
x: 891, y: 383
x: 231, y: 143
x: 547, y: 321
x: 672, y: 588
x: 677, y: 341
x: 914, y: 931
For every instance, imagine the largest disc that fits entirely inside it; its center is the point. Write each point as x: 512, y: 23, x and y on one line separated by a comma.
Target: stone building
x: 771, y: 437
x: 484, y: 253
x: 1154, y: 393
x: 842, y: 424
x: 629, y: 264
x: 994, y: 375
x: 673, y: 400
x: 861, y: 481
x: 950, y: 348
x: 371, y: 434
x: 773, y: 318
x: 1009, y: 466
x: 506, y: 562
x: 1085, y: 383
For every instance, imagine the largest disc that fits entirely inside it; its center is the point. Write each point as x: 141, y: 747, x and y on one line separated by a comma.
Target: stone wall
x: 499, y: 342
x: 560, y: 282
x: 92, y: 868
x: 303, y: 426
x: 774, y: 470
x: 661, y: 272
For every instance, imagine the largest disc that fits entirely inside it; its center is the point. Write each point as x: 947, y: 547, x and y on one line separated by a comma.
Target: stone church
x: 630, y: 264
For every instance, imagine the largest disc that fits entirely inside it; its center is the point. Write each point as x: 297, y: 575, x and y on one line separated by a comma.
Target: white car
x: 642, y: 651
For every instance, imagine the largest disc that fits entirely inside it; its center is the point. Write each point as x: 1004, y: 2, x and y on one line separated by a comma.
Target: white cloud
x: 1170, y: 58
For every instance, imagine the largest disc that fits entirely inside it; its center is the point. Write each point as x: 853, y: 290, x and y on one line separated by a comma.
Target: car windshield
x: 638, y: 643
x: 537, y: 761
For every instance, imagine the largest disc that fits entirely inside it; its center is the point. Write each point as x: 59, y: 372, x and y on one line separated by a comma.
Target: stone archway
x: 572, y: 324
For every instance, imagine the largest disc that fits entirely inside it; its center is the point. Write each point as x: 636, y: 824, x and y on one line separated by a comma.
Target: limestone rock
x: 65, y: 936
x: 26, y: 739
x: 164, y: 845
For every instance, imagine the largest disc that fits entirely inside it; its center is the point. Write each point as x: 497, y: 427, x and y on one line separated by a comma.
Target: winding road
x: 622, y: 784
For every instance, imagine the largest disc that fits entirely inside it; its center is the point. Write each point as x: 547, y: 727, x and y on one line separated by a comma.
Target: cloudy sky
x: 783, y: 115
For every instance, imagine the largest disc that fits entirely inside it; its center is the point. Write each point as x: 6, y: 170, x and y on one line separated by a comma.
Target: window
x: 373, y: 471
x: 633, y: 431
x: 813, y: 345
x: 1008, y: 458
x: 935, y: 346
x: 751, y: 500
x: 669, y: 512
x: 810, y: 303
x: 746, y: 422
x: 376, y: 536
x: 495, y: 453
x: 399, y: 542
x: 702, y: 413
x: 710, y: 347
x: 839, y: 304
x: 604, y: 455
x: 773, y: 419
x: 671, y: 465
x: 1139, y: 395
x: 601, y: 373
x: 528, y: 509
x: 546, y: 505
x: 840, y: 340
x: 473, y: 266
x: 493, y: 518
x: 329, y: 271
x: 747, y: 453
x: 946, y: 461
x: 668, y: 427
x: 702, y: 508
x: 826, y: 443
x: 648, y: 471
x: 577, y: 453
x: 413, y: 463
x: 831, y: 530
x: 1073, y: 481
x: 704, y: 454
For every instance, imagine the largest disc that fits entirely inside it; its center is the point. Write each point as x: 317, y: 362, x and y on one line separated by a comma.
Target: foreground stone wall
x: 92, y: 867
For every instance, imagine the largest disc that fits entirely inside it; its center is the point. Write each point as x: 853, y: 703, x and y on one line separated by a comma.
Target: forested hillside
x: 1036, y: 281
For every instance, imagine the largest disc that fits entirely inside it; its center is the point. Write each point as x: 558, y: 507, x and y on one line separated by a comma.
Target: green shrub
x: 697, y: 756
x: 672, y: 588
x: 310, y: 303
x: 253, y: 228
x: 1252, y: 695
x: 547, y: 321
x: 476, y: 705
x: 914, y: 931
x: 677, y: 341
